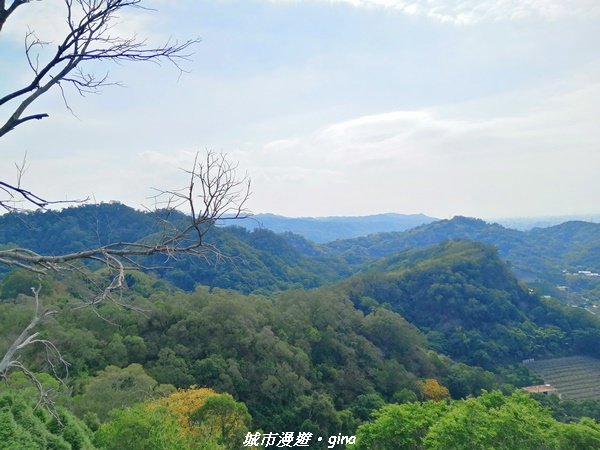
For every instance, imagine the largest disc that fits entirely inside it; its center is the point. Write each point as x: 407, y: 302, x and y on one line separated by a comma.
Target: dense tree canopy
x: 319, y: 360
x: 489, y: 421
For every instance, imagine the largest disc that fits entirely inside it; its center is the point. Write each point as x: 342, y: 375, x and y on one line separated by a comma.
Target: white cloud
x: 468, y: 12
x: 540, y: 156
x: 528, y: 153
x: 285, y: 118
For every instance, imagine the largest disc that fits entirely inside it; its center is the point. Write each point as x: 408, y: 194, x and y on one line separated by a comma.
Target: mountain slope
x: 251, y: 261
x: 262, y: 261
x: 539, y: 254
x: 471, y: 306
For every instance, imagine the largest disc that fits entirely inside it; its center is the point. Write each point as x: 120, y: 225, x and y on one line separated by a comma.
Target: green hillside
x: 263, y: 261
x: 548, y: 255
x: 288, y: 333
x: 471, y: 307
x: 248, y: 261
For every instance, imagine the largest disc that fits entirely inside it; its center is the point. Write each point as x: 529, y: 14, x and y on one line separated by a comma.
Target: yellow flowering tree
x: 207, y: 416
x: 183, y: 403
x: 432, y: 390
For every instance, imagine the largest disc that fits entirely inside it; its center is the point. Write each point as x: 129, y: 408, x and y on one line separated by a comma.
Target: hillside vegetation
x: 550, y: 255
x: 575, y: 377
x: 285, y: 334
x: 263, y: 261
x: 248, y: 262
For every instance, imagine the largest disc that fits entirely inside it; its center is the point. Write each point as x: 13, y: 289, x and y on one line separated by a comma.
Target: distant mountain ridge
x: 264, y: 261
x: 547, y: 254
x: 327, y: 229
x: 576, y: 243
x: 323, y: 230
x: 529, y: 223
x: 254, y: 261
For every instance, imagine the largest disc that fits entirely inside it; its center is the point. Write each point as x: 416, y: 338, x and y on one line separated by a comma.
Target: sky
x: 332, y: 107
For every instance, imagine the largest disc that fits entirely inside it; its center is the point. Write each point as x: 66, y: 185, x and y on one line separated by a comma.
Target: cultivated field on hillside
x: 575, y: 377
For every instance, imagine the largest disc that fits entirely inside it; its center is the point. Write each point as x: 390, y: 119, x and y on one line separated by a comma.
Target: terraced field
x: 575, y: 377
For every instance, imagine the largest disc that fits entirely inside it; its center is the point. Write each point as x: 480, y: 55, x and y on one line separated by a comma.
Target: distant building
x: 546, y: 389
x: 588, y: 273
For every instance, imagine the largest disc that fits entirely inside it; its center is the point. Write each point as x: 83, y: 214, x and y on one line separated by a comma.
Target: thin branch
x: 88, y: 38
x: 6, y: 12
x: 214, y: 193
x: 17, y: 194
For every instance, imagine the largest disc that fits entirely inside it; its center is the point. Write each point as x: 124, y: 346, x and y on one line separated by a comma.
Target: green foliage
x: 300, y: 352
x: 21, y: 282
x: 584, y: 435
x: 365, y: 404
x: 143, y: 428
x: 567, y: 411
x: 463, y: 380
x: 25, y: 426
x: 260, y: 261
x: 399, y: 426
x: 489, y: 421
x: 115, y: 388
x: 17, y: 381
x: 318, y: 360
x: 404, y: 396
x: 223, y: 420
x: 494, y: 421
x: 540, y: 253
x: 190, y: 419
x: 471, y: 307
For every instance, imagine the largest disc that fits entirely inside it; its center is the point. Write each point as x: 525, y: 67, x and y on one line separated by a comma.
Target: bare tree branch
x: 6, y: 11
x: 222, y: 197
x: 88, y: 38
x: 28, y: 336
x: 214, y: 193
x: 17, y: 196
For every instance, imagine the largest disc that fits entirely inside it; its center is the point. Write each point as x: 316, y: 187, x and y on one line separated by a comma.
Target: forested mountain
x: 248, y: 261
x: 443, y: 320
x: 263, y: 261
x: 301, y: 360
x: 569, y: 245
x: 551, y: 254
x: 341, y: 350
x: 325, y: 229
x: 471, y: 306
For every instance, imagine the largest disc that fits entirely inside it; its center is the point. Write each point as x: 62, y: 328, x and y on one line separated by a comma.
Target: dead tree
x: 214, y: 192
x: 89, y: 37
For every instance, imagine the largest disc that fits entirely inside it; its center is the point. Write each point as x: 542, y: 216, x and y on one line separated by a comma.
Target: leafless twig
x: 215, y: 193
x: 89, y: 37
